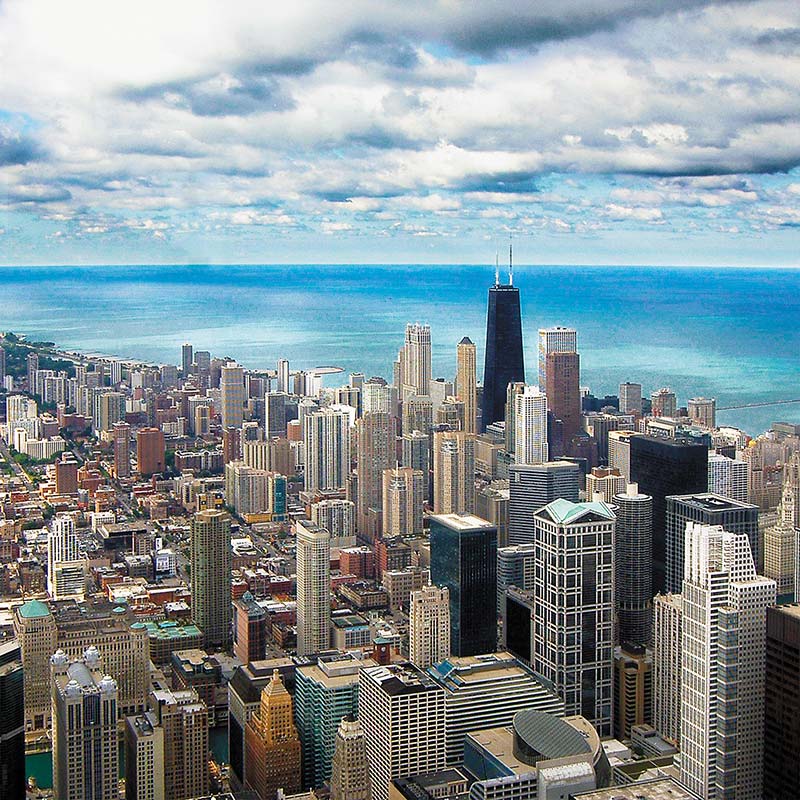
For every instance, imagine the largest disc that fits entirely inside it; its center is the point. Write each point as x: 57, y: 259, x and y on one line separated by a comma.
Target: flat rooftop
x: 656, y: 789
x: 462, y: 521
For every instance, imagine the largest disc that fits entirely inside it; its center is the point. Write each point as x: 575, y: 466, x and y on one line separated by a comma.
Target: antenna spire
x: 510, y: 262
x: 496, y: 269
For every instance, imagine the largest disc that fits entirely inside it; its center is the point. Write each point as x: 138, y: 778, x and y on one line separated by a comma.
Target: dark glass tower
x: 504, y: 361
x: 12, y: 722
x: 464, y: 559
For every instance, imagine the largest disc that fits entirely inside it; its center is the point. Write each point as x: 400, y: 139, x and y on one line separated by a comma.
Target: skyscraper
x: 504, y: 361
x: 606, y: 482
x: 122, y: 449
x: 574, y: 612
x: 530, y: 423
x: 630, y: 398
x: 663, y: 403
x: 327, y: 446
x: 350, y: 779
x: 703, y: 411
x: 664, y: 467
x: 416, y: 360
x: 633, y: 548
x: 283, y: 376
x: 275, y: 414
x: 187, y: 359
x: 12, y: 721
x: 376, y: 453
x: 150, y: 451
x: 65, y: 567
x: 313, y: 588
x: 533, y: 486
x: 466, y: 379
x: 403, y: 494
x: 231, y: 386
x: 780, y: 540
x: 429, y: 626
x: 728, y: 477
x: 722, y: 682
x: 85, y: 738
x: 667, y: 665
x: 562, y: 387
x: 464, y: 560
x: 272, y: 743
x: 554, y: 340
x: 453, y: 472
x: 144, y: 758
x: 708, y: 509
x: 211, y: 576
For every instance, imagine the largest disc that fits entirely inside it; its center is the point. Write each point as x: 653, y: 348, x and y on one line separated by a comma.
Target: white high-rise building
x: 283, y: 376
x: 338, y: 517
x: 722, y: 679
x: 376, y: 398
x: 728, y: 477
x: 429, y: 626
x: 667, y: 660
x: 574, y: 591
x: 453, y: 472
x: 416, y: 360
x: 530, y: 421
x: 231, y: 384
x: 554, y: 340
x: 313, y: 588
x: 403, y: 493
x: 630, y: 398
x: 402, y: 711
x: 326, y: 434
x: 65, y: 568
x: 606, y: 482
x: 350, y: 778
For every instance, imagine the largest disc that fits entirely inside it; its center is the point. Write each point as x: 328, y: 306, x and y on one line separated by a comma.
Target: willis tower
x: 504, y: 360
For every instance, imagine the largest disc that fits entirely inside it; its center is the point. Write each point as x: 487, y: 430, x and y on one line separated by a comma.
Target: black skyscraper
x: 12, y: 722
x: 504, y: 361
x: 664, y: 467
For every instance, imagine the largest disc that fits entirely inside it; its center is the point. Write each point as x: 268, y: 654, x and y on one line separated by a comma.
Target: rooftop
x: 34, y: 609
x: 462, y: 521
x: 564, y: 512
x: 656, y: 789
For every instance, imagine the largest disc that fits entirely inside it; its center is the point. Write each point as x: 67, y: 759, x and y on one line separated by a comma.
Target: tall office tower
x: 272, y: 744
x: 203, y: 360
x: 12, y: 722
x: 509, y: 430
x: 313, y: 588
x: 703, y: 411
x: 417, y: 414
x: 376, y: 398
x: 121, y: 432
x: 416, y: 446
x: 326, y: 691
x: 708, y: 509
x: 633, y: 692
x: 183, y: 717
x: 429, y: 626
x: 619, y: 452
x: 453, y: 472
x: 231, y: 386
x: 33, y: 366
x: 728, y: 477
x: 402, y: 712
x: 574, y: 591
x: 282, y: 373
x: 168, y: 376
x: 533, y: 486
x: 633, y: 572
x: 403, y: 493
x: 350, y: 779
x: 150, y: 451
x: 327, y: 448
x: 231, y: 445
x: 2, y: 367
x: 464, y: 560
x: 667, y: 665
x: 630, y: 398
x: 504, y: 361
x: 144, y: 758
x: 376, y: 452
x: 187, y: 359
x: 554, y: 340
x: 466, y: 382
x: 664, y: 403
x: 515, y: 565
x: 563, y: 390
x: 65, y: 568
x: 85, y: 738
x: 211, y: 576
x: 338, y: 517
x: 722, y: 681
x: 439, y: 390
x: 115, y: 371
x: 275, y: 414
x: 780, y: 540
x: 35, y: 629
x: 249, y: 629
x: 66, y: 469
x: 416, y: 360
x: 604, y: 481
x: 664, y: 467
x: 108, y: 408
x: 782, y: 710
x: 348, y: 396
x: 451, y: 413
x: 530, y: 423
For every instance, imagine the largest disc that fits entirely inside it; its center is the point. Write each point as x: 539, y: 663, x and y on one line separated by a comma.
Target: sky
x: 374, y: 131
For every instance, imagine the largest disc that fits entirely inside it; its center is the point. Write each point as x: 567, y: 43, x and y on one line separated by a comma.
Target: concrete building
x: 85, y: 732
x: 313, y: 588
x: 338, y: 517
x: 429, y: 626
x: 150, y: 451
x: 574, y: 590
x: 144, y: 758
x: 211, y: 576
x: 249, y: 629
x: 562, y: 387
x: 619, y: 451
x: 415, y: 360
x: 633, y: 689
x: 403, y: 497
x: 66, y: 577
x: 722, y: 681
x: 554, y: 340
x: 350, y: 779
x: 728, y: 477
x: 663, y: 403
x: 402, y: 712
x: 530, y: 422
x: 232, y: 396
x: 375, y: 433
x: 605, y: 482
x: 326, y: 435
x: 453, y: 472
x: 491, y: 504
x: 121, y: 432
x: 630, y: 398
x: 515, y: 567
x: 703, y: 411
x: 466, y: 382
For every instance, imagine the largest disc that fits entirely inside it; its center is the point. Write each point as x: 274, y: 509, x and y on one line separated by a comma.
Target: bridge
x: 759, y: 405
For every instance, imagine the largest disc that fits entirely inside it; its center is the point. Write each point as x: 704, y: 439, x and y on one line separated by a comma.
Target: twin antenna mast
x: 510, y: 265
